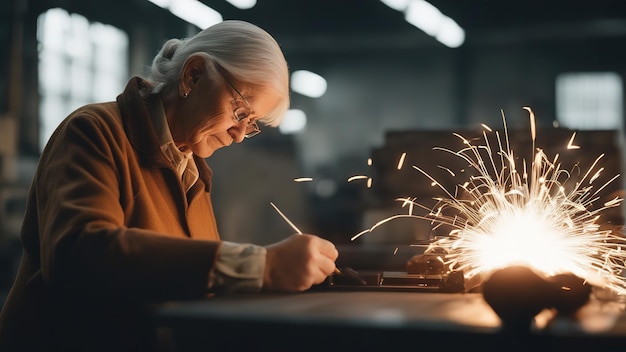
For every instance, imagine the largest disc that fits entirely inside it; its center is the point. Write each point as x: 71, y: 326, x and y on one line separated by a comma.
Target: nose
x: 238, y: 131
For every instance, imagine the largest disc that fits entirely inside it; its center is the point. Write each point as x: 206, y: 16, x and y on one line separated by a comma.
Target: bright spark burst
x: 541, y: 217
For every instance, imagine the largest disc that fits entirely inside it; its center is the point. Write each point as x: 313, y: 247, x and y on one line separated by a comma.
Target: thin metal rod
x: 293, y: 226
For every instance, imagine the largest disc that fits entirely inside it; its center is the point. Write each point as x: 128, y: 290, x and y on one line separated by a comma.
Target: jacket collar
x: 141, y: 132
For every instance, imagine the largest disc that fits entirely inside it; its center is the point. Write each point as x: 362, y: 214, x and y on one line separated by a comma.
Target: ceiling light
x: 242, y: 4
x: 429, y: 19
x: 424, y: 16
x: 398, y: 5
x: 450, y: 33
x: 294, y: 121
x: 308, y: 83
x: 192, y: 11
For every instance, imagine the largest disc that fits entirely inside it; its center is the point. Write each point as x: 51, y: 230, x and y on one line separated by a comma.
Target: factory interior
x: 390, y: 89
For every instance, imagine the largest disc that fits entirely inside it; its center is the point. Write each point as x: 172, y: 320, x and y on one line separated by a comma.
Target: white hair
x: 247, y: 52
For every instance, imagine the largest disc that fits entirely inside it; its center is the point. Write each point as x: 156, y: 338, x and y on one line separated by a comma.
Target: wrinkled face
x: 205, y: 120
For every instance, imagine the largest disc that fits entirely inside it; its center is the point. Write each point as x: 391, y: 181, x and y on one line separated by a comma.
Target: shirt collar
x: 164, y: 135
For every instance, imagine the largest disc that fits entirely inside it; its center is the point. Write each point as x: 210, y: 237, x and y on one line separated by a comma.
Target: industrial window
x: 80, y: 62
x: 590, y: 101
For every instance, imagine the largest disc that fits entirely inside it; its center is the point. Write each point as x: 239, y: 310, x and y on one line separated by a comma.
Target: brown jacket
x: 107, y: 232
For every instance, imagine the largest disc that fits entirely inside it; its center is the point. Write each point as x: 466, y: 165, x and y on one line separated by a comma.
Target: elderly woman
x: 119, y: 214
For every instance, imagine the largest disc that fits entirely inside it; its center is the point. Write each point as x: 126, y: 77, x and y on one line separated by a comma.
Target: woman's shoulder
x: 101, y: 115
x: 89, y: 124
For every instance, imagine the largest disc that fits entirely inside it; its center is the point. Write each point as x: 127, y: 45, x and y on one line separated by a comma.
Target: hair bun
x: 169, y: 48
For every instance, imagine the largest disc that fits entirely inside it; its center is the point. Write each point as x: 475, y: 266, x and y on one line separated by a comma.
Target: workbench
x: 352, y: 320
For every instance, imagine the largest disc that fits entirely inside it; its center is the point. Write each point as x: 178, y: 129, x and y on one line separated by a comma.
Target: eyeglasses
x: 242, y: 110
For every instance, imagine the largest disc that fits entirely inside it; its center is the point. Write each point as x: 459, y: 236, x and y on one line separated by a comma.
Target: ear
x: 193, y: 69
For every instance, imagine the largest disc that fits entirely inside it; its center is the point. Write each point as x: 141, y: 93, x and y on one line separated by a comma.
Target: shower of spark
x: 541, y: 217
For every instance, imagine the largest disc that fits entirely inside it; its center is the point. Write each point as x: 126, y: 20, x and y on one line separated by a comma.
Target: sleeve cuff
x: 238, y: 268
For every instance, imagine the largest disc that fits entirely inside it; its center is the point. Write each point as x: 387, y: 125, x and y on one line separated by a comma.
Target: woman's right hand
x: 298, y: 262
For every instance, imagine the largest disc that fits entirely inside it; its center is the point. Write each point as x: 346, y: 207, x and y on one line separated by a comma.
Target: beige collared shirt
x: 238, y: 267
